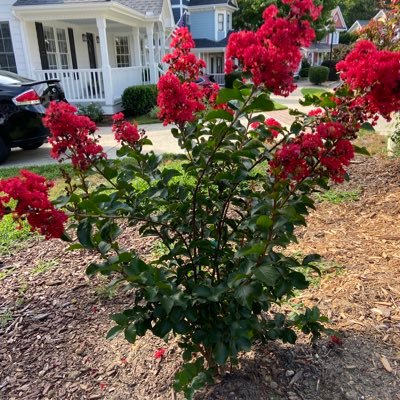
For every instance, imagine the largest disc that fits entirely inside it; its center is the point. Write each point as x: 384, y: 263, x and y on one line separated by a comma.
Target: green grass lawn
x: 312, y: 91
x: 145, y: 119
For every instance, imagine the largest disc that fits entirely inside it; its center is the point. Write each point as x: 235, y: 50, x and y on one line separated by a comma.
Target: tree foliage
x: 249, y: 15
x: 353, y: 10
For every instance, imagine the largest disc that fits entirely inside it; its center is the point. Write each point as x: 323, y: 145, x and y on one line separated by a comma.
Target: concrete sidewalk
x: 163, y: 142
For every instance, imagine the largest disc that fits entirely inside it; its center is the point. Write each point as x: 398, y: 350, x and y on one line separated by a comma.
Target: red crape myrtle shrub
x: 228, y: 212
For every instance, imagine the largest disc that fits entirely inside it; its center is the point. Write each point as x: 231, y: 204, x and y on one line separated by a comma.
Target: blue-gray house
x: 210, y: 22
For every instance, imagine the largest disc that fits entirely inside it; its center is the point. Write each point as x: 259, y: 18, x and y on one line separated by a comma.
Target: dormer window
x: 220, y: 22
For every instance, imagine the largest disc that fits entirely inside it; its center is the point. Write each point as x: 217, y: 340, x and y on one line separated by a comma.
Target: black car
x: 23, y: 103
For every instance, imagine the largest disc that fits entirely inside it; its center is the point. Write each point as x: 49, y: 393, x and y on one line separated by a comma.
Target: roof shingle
x: 142, y: 6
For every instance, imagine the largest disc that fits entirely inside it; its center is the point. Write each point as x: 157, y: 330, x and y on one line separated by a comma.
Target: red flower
x: 71, y: 136
x: 336, y: 340
x: 374, y: 76
x: 178, y: 102
x: 124, y: 131
x: 270, y: 123
x: 272, y: 53
x: 159, y: 353
x: 31, y: 192
x: 317, y: 112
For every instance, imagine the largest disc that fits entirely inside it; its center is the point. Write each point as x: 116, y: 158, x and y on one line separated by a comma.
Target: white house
x: 210, y: 23
x: 96, y: 48
x: 319, y: 51
x: 358, y: 25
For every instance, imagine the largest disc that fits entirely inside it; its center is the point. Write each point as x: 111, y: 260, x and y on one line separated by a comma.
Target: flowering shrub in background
x: 228, y: 216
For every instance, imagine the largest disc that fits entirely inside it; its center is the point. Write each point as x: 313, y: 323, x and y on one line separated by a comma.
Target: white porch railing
x: 219, y: 78
x: 80, y: 85
x: 124, y: 77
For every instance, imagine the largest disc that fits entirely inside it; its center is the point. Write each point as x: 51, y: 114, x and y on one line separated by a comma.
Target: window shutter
x: 72, y: 46
x: 42, y: 45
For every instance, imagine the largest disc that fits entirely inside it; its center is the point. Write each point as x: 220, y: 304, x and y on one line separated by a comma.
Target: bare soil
x: 53, y: 318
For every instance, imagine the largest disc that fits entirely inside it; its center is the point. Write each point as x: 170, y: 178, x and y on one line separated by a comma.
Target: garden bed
x: 53, y: 319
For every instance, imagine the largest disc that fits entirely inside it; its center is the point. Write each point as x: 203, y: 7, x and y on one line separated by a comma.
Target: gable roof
x: 142, y: 6
x: 338, y: 20
x: 358, y: 25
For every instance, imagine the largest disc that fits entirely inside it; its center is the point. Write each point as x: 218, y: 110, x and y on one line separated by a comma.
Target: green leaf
x: 65, y: 237
x: 167, y: 303
x: 267, y: 274
x: 130, y: 333
x: 298, y: 280
x: 75, y: 246
x: 264, y: 222
x: 250, y: 249
x: 366, y: 126
x: 84, y: 234
x: 246, y: 293
x: 226, y: 95
x: 261, y: 103
x: 288, y: 336
x: 311, y: 258
x: 220, y: 353
x: 168, y: 174
x: 219, y: 114
x: 361, y: 150
x: 113, y: 332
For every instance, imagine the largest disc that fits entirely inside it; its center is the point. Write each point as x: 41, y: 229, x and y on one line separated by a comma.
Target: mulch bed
x: 53, y: 346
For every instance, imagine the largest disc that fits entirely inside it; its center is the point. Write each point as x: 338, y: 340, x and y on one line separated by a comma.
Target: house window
x: 7, y: 59
x: 56, y: 47
x: 228, y: 22
x: 220, y: 22
x: 122, y: 51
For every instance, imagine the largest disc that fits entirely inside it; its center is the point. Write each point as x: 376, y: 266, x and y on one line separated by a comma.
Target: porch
x: 95, y: 58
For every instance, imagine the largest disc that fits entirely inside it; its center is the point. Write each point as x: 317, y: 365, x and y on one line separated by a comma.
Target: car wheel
x: 31, y: 146
x: 4, y: 151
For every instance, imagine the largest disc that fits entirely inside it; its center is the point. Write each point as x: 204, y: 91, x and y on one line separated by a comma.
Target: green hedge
x: 331, y: 64
x: 139, y: 100
x: 304, y: 72
x: 317, y: 75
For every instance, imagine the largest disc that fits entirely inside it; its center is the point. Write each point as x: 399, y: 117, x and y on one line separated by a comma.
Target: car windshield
x: 9, y: 78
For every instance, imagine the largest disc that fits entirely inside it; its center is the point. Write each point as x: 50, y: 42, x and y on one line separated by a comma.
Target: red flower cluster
x: 270, y: 124
x: 374, y: 76
x: 179, y: 97
x: 124, y: 131
x: 181, y: 61
x: 159, y: 353
x: 323, y: 152
x: 71, y: 136
x: 272, y: 53
x: 178, y: 101
x: 31, y: 192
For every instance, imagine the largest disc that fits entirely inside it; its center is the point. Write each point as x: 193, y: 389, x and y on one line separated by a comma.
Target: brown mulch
x: 53, y: 344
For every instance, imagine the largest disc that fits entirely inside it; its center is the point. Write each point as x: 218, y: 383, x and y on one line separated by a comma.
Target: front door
x: 91, y: 50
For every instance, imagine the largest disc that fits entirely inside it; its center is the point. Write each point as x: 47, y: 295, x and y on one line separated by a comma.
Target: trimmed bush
x: 317, y: 75
x: 139, y: 100
x: 331, y: 64
x: 304, y: 72
x: 93, y: 110
x: 230, y: 78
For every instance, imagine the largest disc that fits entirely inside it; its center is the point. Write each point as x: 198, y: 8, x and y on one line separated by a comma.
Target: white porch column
x: 152, y: 61
x: 136, y: 46
x: 157, y: 47
x: 162, y: 40
x: 105, y: 61
x: 22, y: 58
